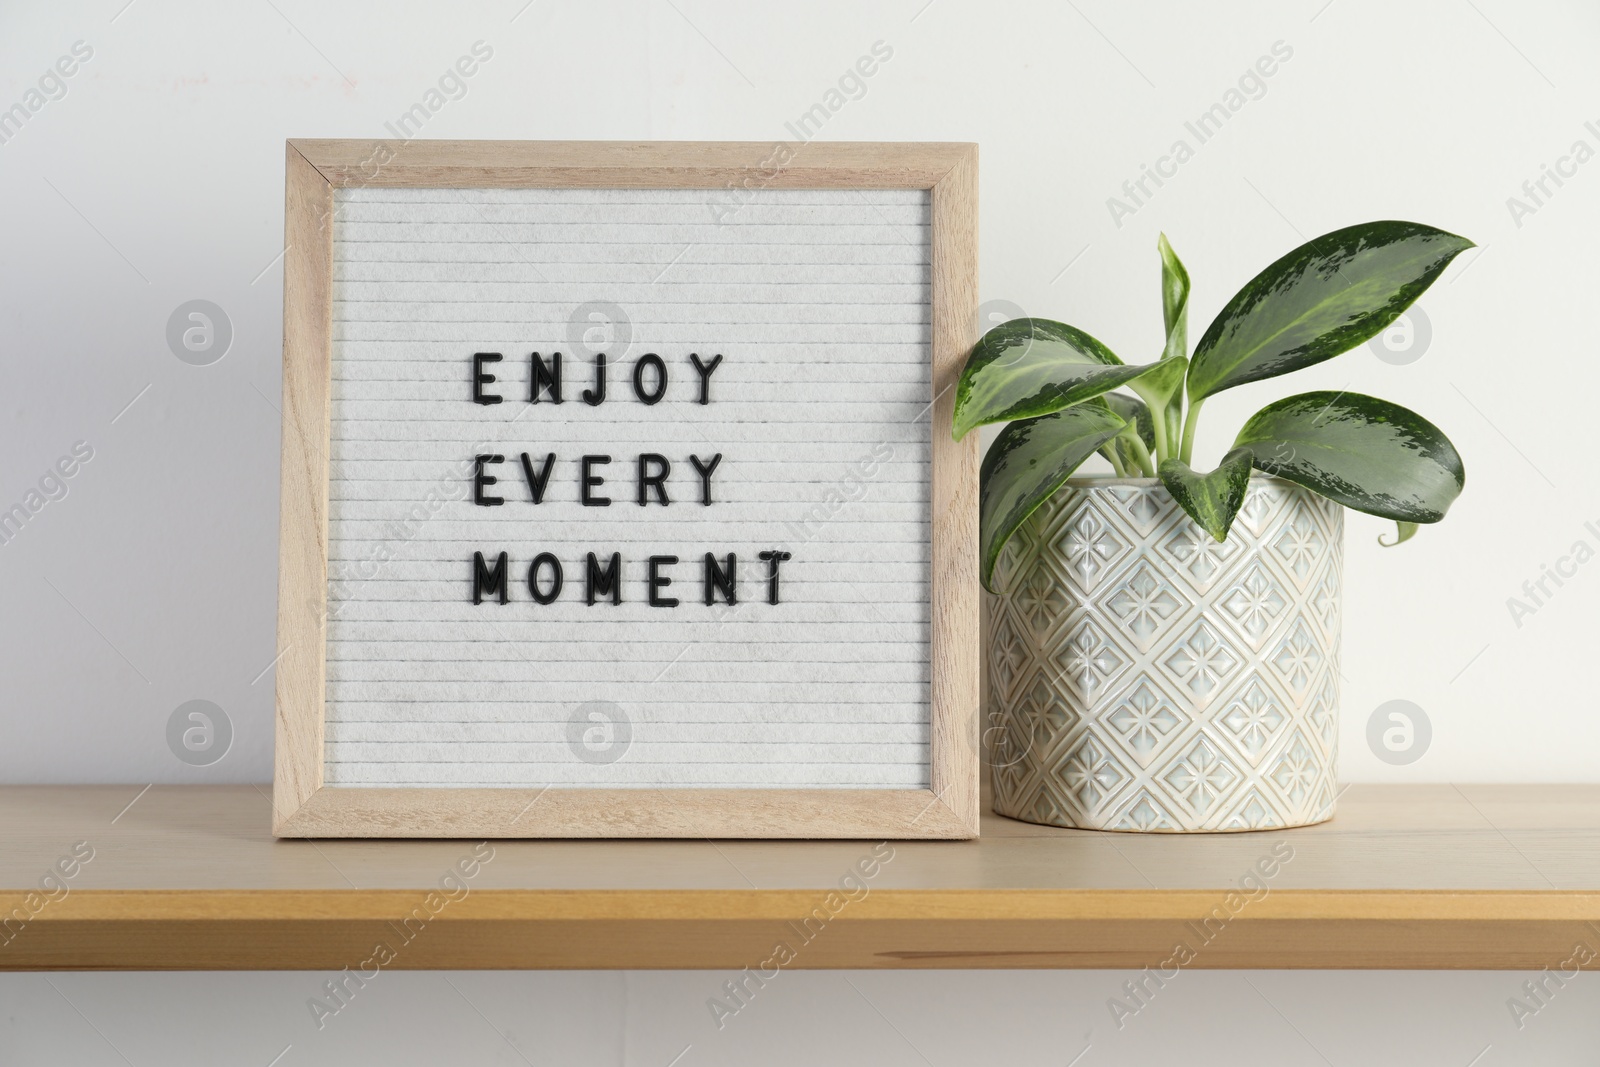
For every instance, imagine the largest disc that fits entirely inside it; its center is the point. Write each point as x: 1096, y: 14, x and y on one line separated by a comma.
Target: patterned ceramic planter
x: 1146, y: 677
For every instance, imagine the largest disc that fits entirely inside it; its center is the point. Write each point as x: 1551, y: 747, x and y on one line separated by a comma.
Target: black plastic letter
x: 705, y: 470
x: 481, y: 378
x: 658, y: 480
x: 537, y: 482
x: 660, y: 581
x: 705, y: 370
x: 773, y: 558
x: 605, y: 581
x: 480, y: 479
x: 488, y: 581
x: 597, y: 396
x: 649, y: 359
x: 589, y: 481
x: 716, y: 578
x: 543, y: 377
x: 544, y: 559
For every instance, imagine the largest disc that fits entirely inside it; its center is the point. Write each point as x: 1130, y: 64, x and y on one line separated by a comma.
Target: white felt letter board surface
x: 618, y: 491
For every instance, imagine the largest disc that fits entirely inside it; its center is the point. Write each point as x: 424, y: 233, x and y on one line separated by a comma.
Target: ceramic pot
x: 1145, y: 677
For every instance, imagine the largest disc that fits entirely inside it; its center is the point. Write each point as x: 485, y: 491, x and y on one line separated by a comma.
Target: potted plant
x: 1164, y: 642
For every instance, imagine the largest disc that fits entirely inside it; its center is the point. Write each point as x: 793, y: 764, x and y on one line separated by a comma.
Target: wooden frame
x: 304, y: 807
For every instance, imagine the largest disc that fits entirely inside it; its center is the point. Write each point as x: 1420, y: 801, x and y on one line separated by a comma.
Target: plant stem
x: 1163, y: 442
x: 1189, y: 423
x: 1141, y: 452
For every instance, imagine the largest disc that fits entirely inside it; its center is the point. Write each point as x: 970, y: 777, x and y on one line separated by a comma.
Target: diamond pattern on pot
x: 1151, y: 678
x: 1091, y: 774
x: 1253, y: 719
x: 1200, y: 778
x: 1047, y: 808
x: 1298, y: 770
x: 1325, y: 598
x: 1010, y: 745
x: 1252, y: 812
x: 1141, y: 506
x: 1041, y: 600
x: 1254, y: 604
x: 1323, y: 799
x: 1044, y: 708
x: 1089, y: 547
x: 1202, y: 661
x: 1008, y: 773
x: 1145, y: 603
x: 1261, y: 507
x: 1324, y: 714
x: 1143, y: 720
x: 1300, y: 545
x: 1200, y: 558
x: 1145, y: 814
x: 1008, y: 652
x: 1298, y: 657
x: 1088, y: 660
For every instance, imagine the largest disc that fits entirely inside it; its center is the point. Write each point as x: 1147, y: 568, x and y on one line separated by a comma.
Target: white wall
x: 800, y: 1019
x: 157, y: 179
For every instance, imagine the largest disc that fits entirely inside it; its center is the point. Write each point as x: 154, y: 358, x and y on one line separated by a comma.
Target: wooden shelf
x: 1430, y: 876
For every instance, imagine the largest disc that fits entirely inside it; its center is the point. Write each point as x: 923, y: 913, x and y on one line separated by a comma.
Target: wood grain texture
x: 303, y: 477
x: 305, y: 807
x: 635, y: 164
x: 901, y: 814
x: 1404, y: 877
x: 954, y: 651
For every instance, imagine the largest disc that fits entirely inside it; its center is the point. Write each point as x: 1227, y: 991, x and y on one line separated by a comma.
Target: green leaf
x: 1162, y: 389
x: 1175, y: 316
x: 1365, y: 453
x: 1324, y: 298
x: 1212, y: 500
x: 1119, y: 451
x: 1124, y: 457
x: 1403, y: 532
x: 1030, y: 367
x: 1028, y: 462
x: 1174, y: 301
x: 1132, y: 409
